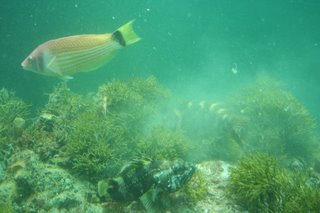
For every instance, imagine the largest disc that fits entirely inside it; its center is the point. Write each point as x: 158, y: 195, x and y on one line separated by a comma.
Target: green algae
x: 258, y: 183
x: 50, y: 130
x: 6, y: 208
x: 105, y: 136
x: 197, y: 189
x: 278, y: 122
x: 91, y: 148
x: 11, y: 108
x: 93, y: 136
x: 164, y: 144
x: 13, y: 113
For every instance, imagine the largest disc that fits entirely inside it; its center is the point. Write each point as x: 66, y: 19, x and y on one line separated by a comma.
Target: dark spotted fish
x: 146, y: 179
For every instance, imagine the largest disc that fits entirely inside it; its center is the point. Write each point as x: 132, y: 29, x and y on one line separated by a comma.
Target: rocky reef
x: 39, y: 187
x: 52, y: 160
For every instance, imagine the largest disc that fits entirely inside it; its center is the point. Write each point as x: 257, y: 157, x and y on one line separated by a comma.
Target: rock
x: 216, y: 173
x: 40, y: 187
x: 48, y: 188
x: 19, y: 123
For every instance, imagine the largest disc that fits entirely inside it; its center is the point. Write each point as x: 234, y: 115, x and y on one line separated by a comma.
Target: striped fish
x: 150, y: 181
x: 66, y: 56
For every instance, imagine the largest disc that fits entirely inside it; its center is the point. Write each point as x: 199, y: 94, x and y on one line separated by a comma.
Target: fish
x: 63, y: 57
x: 188, y: 113
x: 133, y: 180
x: 147, y: 180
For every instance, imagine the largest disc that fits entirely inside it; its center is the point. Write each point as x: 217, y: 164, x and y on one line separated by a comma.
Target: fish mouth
x: 24, y: 64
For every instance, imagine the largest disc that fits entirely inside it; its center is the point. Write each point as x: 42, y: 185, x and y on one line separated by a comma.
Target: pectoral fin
x: 153, y: 200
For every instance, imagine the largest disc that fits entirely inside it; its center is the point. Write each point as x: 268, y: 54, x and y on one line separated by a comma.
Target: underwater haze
x: 215, y: 109
x: 190, y: 46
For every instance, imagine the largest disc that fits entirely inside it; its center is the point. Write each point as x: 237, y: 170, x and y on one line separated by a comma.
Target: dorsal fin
x: 134, y: 164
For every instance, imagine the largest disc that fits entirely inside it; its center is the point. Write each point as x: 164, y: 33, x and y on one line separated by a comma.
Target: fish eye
x: 30, y: 58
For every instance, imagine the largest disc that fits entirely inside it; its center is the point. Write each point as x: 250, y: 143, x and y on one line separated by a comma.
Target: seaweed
x: 135, y: 93
x: 65, y: 104
x: 6, y: 208
x: 301, y: 195
x: 164, y: 144
x: 94, y: 136
x: 8, y: 193
x: 14, y: 113
x: 136, y: 101
x: 11, y: 108
x: 50, y: 130
x: 197, y: 189
x: 259, y: 184
x: 103, y: 136
x: 279, y: 123
x: 255, y: 183
x: 93, y: 145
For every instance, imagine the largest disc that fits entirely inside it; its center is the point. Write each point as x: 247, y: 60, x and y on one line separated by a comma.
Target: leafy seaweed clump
x: 164, y: 144
x: 255, y: 184
x: 105, y: 135
x: 96, y: 144
x: 279, y: 123
x: 136, y: 101
x: 13, y: 113
x: 258, y: 184
x: 197, y: 188
x: 50, y: 131
x: 65, y: 104
x: 6, y: 208
x: 133, y: 94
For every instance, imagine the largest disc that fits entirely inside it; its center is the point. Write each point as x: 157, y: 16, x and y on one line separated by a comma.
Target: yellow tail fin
x: 128, y: 35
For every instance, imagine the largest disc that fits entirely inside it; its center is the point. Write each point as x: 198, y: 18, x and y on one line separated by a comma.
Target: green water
x: 201, y: 50
x: 190, y: 46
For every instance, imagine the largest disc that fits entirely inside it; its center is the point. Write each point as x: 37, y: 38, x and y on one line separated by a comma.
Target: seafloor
x: 255, y: 151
